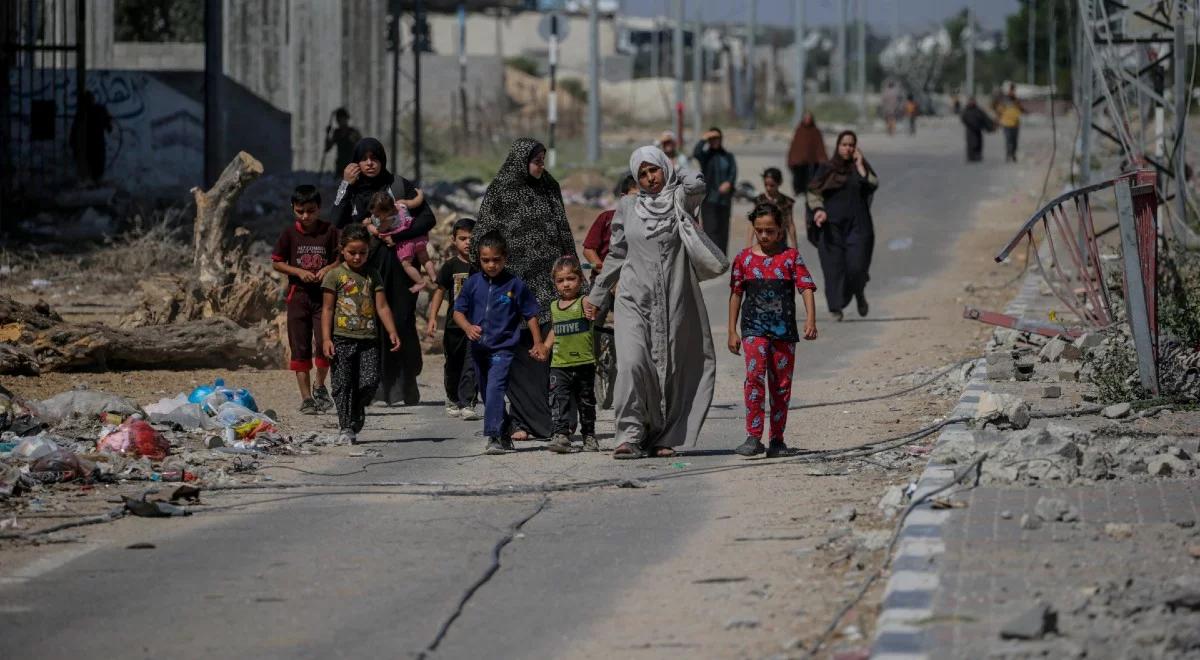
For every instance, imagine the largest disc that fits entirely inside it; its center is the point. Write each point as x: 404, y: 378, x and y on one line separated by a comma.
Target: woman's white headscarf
x: 659, y: 212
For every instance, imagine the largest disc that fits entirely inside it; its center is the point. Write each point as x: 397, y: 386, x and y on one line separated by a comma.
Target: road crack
x: 483, y: 579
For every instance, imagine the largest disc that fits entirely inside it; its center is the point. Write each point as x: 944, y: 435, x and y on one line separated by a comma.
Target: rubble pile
x: 85, y: 441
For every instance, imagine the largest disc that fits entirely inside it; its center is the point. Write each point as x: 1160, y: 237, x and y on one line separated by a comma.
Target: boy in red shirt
x: 306, y: 250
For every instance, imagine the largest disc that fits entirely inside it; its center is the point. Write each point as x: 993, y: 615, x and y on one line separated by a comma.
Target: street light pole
x: 752, y: 45
x: 1031, y: 42
x: 801, y: 57
x: 593, y: 137
x: 677, y: 65
x: 839, y: 78
x: 697, y: 76
x: 862, y: 62
x: 969, y: 46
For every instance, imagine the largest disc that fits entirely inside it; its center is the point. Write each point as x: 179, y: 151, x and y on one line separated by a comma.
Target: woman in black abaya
x: 839, y: 197
x: 366, y: 175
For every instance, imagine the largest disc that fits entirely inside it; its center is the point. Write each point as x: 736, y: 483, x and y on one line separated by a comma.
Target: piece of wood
x: 213, y: 208
x: 55, y: 345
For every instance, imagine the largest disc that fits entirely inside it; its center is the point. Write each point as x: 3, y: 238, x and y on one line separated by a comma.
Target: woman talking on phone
x: 839, y: 199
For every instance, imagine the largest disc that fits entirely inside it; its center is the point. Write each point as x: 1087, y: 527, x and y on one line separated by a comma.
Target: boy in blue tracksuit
x: 490, y: 309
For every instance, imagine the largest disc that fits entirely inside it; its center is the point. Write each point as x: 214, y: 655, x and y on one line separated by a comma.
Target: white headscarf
x: 659, y: 212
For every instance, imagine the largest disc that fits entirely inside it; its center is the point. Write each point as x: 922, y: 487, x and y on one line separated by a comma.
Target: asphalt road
x: 289, y: 574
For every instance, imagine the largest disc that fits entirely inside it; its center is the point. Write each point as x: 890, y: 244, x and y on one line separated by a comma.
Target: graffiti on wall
x: 155, y: 140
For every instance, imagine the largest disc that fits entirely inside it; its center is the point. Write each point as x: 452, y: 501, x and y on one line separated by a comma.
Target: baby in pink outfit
x: 388, y: 218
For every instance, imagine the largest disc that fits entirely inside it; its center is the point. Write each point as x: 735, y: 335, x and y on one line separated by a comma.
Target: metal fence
x: 41, y: 89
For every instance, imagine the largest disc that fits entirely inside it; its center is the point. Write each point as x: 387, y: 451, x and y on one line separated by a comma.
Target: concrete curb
x: 908, y: 597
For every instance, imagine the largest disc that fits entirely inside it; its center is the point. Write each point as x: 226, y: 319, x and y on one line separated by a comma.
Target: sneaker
x: 507, y: 443
x: 452, y: 410
x: 346, y: 437
x: 590, y: 443
x: 750, y: 447
x: 469, y: 414
x: 494, y: 447
x: 777, y: 449
x: 560, y: 444
x: 321, y: 397
x: 309, y: 407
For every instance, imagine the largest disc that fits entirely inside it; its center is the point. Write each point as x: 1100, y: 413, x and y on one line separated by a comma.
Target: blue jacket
x: 500, y: 305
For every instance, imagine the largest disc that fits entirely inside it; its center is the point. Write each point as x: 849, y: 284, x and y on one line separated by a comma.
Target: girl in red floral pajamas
x: 761, y: 291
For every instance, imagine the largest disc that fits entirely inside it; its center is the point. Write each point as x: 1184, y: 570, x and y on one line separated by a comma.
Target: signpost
x: 552, y: 28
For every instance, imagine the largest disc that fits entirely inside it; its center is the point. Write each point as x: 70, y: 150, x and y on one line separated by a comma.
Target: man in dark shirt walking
x: 720, y: 175
x: 344, y: 137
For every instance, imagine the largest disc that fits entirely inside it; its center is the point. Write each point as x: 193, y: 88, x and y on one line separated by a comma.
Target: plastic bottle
x: 201, y: 393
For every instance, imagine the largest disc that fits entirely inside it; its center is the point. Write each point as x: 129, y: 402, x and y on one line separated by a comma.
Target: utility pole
x: 862, y: 62
x: 1052, y: 55
x: 214, y: 71
x: 394, y: 7
x: 421, y: 32
x: 462, y: 67
x: 752, y: 45
x: 1179, y: 55
x: 656, y: 50
x: 839, y: 57
x: 677, y: 65
x: 697, y: 76
x: 1085, y: 95
x: 552, y: 101
x: 969, y: 46
x: 1031, y: 42
x: 593, y: 136
x: 801, y: 57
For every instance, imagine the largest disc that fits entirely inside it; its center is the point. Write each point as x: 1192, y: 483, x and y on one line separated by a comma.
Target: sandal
x: 664, y: 452
x: 626, y: 451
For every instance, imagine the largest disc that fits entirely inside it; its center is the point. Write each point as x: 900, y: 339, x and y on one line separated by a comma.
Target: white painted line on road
x: 43, y: 565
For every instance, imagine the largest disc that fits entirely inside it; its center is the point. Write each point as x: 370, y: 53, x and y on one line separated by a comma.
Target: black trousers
x: 528, y: 391
x: 845, y: 249
x: 573, y: 385
x: 715, y: 219
x: 801, y: 175
x: 459, y: 373
x: 1010, y: 142
x: 355, y: 377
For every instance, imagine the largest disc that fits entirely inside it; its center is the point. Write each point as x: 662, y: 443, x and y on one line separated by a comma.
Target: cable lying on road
x: 866, y: 585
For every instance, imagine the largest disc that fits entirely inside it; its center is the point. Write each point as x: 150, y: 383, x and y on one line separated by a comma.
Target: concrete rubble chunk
x: 1165, y: 465
x: 1069, y: 371
x: 1023, y: 371
x: 1054, y: 509
x: 1117, y: 410
x: 874, y: 539
x: 1095, y: 465
x: 1035, y: 622
x: 892, y: 498
x: 1002, y: 410
x: 1051, y: 391
x: 1032, y: 455
x: 1088, y: 340
x: 1053, y: 350
x: 1001, y: 370
x: 1030, y: 522
x: 845, y: 513
x: 742, y: 623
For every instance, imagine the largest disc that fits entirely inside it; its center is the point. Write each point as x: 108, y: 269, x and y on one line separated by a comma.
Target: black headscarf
x: 529, y: 214
x: 833, y: 173
x: 358, y: 194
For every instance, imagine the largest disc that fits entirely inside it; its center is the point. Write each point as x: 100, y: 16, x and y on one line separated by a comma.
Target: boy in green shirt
x: 572, y: 362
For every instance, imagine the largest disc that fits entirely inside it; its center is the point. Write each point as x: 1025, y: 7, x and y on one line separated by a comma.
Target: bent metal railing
x: 1068, y: 259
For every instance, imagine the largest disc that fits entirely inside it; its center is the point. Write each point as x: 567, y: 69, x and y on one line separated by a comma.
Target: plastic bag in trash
x: 135, y: 436
x: 31, y: 449
x: 212, y: 396
x: 245, y: 423
x: 61, y: 465
x: 85, y: 403
x: 182, y: 412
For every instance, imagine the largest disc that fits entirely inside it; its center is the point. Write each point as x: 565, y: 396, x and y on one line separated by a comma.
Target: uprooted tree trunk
x: 35, y: 339
x: 226, y: 283
x: 213, y: 208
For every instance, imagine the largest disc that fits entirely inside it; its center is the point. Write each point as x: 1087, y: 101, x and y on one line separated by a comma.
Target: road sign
x: 549, y: 22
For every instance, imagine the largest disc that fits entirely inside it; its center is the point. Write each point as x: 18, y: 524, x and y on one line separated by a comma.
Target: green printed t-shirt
x: 354, y: 306
x: 573, y: 341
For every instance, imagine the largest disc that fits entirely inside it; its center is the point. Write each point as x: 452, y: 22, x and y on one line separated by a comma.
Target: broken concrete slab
x: 1117, y: 410
x: 1051, y: 391
x: 1165, y: 465
x: 1054, y: 509
x: 1002, y: 410
x: 1035, y: 622
x: 843, y: 514
x: 1069, y: 371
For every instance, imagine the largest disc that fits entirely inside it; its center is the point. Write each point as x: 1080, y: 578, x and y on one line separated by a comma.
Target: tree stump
x: 212, y: 219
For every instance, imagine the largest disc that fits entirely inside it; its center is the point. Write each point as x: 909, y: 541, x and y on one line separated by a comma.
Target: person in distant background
x: 344, y: 137
x: 669, y: 144
x: 911, y: 110
x: 805, y: 153
x: 976, y: 122
x: 1009, y: 111
x: 720, y: 175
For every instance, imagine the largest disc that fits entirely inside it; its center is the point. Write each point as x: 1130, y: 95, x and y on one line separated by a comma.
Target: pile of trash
x: 210, y: 436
